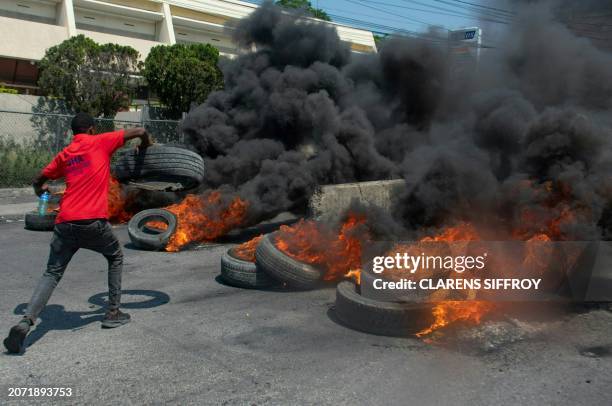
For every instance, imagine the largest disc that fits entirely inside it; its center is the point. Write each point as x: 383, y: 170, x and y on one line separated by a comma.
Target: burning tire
x: 381, y: 318
x: 163, y: 164
x: 36, y: 222
x: 151, y: 238
x: 243, y: 274
x: 282, y: 267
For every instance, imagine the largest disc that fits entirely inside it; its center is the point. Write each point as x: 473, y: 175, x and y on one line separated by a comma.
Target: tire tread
x: 380, y: 318
x: 243, y: 274
x: 284, y: 268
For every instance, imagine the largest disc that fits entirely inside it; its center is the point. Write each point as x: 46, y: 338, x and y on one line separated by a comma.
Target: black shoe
x: 115, y: 318
x: 16, y: 338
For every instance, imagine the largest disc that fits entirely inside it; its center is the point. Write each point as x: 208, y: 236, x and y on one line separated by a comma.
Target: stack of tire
x: 158, y: 176
x: 158, y: 164
x: 271, y: 267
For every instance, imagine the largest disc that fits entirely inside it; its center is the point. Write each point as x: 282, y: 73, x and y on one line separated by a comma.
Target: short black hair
x: 81, y: 123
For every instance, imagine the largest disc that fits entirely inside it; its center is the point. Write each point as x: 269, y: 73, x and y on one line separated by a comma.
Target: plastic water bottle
x: 43, y: 203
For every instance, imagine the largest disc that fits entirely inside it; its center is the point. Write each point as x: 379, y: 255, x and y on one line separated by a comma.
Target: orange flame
x: 205, y: 218
x: 246, y: 251
x: 447, y: 312
x: 335, y: 252
x: 116, y: 203
x: 558, y: 208
x: 159, y: 225
x: 302, y: 241
x: 53, y: 207
x: 461, y: 232
x: 355, y: 274
x: 538, y: 225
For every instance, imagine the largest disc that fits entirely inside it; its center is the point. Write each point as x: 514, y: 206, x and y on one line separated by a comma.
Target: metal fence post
x: 180, y: 133
x: 58, y: 136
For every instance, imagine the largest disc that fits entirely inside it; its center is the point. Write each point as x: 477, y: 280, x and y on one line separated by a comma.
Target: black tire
x: 139, y: 199
x: 380, y: 318
x: 151, y: 239
x: 243, y: 274
x: 160, y: 163
x: 33, y: 221
x: 284, y: 268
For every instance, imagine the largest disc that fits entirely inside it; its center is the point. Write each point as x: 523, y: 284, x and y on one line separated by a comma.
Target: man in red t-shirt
x: 83, y: 218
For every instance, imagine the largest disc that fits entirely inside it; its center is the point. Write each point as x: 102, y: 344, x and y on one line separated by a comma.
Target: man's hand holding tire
x: 145, y: 142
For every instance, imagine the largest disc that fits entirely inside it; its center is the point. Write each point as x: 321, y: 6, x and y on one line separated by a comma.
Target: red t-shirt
x: 85, y: 165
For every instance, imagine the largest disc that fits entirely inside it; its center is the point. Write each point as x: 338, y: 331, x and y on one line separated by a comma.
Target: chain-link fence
x: 28, y: 141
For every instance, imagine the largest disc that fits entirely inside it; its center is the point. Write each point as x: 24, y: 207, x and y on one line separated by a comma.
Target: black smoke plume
x: 524, y: 133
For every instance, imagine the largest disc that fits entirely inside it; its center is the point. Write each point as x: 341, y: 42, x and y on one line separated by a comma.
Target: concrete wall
x: 14, y: 125
x: 24, y: 39
x: 18, y: 102
x: 17, y: 124
x: 331, y: 200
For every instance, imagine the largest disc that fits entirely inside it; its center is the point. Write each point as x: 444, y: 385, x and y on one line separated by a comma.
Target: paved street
x: 15, y: 201
x: 194, y: 340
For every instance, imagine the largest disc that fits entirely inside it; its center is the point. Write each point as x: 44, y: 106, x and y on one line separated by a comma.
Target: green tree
x: 90, y: 77
x: 305, y: 5
x: 379, y: 39
x: 181, y: 74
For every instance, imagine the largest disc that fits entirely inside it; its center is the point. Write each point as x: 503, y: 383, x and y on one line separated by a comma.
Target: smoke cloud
x: 524, y: 135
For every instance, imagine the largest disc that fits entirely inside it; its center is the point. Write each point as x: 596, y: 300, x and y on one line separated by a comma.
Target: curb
x: 15, y: 192
x: 19, y: 209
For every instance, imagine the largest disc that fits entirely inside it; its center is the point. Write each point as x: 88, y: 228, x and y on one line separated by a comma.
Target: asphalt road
x: 194, y: 340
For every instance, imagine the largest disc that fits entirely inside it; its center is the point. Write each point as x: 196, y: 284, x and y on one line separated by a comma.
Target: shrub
x: 183, y: 74
x: 90, y: 77
x: 20, y: 163
x: 4, y: 89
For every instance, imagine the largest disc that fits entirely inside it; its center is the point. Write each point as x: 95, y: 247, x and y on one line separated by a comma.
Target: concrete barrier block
x: 331, y: 200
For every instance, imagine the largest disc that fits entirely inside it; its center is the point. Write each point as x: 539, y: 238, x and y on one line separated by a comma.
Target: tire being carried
x: 243, y: 274
x: 282, y: 267
x: 149, y: 238
x: 36, y: 222
x: 381, y: 318
x: 160, y: 163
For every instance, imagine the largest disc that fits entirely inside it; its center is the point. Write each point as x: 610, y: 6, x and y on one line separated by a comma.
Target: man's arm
x: 52, y: 171
x: 132, y: 133
x: 40, y: 184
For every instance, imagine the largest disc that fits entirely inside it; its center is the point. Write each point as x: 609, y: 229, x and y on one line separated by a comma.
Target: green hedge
x: 7, y: 90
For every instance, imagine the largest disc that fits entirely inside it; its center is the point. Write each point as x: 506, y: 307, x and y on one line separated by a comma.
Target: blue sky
x: 398, y: 14
x: 412, y: 15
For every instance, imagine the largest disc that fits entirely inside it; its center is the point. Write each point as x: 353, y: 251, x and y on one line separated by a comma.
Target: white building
x: 29, y: 27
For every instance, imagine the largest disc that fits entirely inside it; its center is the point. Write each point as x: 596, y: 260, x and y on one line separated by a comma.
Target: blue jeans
x: 96, y: 235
